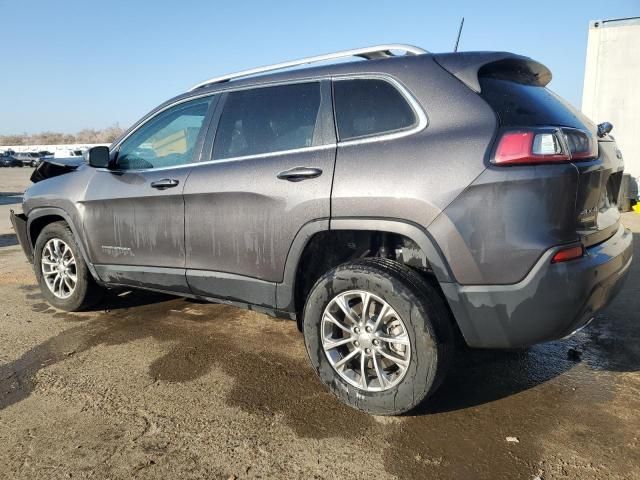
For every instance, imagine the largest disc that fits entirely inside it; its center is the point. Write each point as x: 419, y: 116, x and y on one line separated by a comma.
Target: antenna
x: 455, y: 49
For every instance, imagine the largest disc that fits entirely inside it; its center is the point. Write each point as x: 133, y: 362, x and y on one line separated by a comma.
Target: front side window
x: 365, y: 107
x: 267, y: 119
x: 168, y: 139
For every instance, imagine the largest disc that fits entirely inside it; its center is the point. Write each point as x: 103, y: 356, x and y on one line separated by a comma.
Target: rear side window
x: 365, y: 107
x: 521, y: 104
x: 268, y: 119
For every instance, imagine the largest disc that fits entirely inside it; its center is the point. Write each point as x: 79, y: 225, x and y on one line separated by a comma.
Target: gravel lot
x: 150, y: 386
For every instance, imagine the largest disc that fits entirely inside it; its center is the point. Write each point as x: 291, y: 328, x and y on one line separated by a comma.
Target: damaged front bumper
x: 19, y: 222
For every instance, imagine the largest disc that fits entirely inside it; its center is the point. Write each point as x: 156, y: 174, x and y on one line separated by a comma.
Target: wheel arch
x: 311, y: 242
x: 418, y: 234
x: 39, y: 218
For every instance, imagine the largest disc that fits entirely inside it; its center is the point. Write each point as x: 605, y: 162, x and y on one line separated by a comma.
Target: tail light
x: 567, y: 254
x: 534, y: 146
x: 581, y: 144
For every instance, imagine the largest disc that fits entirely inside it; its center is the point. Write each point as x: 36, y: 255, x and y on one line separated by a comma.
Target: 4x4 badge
x: 117, y: 251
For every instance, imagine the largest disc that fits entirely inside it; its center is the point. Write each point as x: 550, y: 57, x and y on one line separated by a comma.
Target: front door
x: 134, y: 211
x: 268, y: 173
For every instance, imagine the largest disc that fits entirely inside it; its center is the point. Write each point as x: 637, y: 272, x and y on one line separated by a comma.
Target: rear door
x: 267, y: 171
x: 134, y: 212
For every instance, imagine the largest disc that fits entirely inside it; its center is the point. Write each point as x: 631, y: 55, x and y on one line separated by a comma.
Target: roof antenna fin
x: 455, y: 49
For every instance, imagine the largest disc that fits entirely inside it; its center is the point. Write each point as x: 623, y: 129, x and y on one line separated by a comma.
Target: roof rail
x: 369, y: 53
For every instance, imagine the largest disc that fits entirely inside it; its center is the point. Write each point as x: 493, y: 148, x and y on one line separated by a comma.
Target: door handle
x: 297, y: 174
x: 165, y: 183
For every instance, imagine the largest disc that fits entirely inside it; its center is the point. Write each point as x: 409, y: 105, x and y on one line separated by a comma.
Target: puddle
x: 10, y: 199
x: 204, y: 337
x: 8, y: 240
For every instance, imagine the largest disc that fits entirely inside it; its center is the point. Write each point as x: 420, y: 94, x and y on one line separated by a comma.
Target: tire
x: 426, y: 330
x: 86, y: 292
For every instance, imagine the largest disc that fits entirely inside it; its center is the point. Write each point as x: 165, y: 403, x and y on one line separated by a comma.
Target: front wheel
x: 65, y: 280
x: 378, y: 335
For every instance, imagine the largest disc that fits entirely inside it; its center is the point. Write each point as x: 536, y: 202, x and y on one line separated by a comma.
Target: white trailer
x: 612, y: 83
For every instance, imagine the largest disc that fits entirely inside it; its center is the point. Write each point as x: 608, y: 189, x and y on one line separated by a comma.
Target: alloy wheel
x: 59, y: 268
x: 365, y: 341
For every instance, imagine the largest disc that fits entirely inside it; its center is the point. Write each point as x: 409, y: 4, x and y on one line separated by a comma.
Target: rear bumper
x: 19, y: 222
x: 552, y: 301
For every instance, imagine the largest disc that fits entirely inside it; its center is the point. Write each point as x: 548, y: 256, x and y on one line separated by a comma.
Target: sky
x: 74, y: 64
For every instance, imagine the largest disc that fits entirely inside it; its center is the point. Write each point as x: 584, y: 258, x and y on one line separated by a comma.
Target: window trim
x: 313, y: 148
x: 421, y: 117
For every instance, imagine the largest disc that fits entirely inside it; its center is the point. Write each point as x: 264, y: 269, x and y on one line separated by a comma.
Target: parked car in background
x: 44, y: 156
x: 68, y: 153
x: 9, y: 161
x: 389, y: 206
x: 29, y: 159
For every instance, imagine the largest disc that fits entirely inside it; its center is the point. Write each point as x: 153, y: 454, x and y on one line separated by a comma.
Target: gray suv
x: 389, y: 205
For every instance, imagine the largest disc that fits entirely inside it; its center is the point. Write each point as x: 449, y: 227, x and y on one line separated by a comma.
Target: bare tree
x: 86, y: 135
x: 12, y: 139
x: 109, y: 134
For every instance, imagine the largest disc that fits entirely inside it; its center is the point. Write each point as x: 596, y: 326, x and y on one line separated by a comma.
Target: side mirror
x: 98, y: 157
x: 604, y: 128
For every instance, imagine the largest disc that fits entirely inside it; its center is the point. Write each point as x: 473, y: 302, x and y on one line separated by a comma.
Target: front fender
x: 41, y: 212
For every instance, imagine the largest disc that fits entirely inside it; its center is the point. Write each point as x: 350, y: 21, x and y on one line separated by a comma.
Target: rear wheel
x: 61, y: 271
x: 378, y: 335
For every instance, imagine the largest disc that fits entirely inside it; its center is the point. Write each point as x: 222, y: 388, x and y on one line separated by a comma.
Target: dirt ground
x: 150, y: 386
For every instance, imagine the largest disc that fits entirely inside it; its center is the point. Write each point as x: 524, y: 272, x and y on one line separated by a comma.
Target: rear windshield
x: 521, y: 105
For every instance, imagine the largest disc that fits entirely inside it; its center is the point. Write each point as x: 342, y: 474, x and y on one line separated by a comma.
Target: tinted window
x: 268, y: 119
x: 370, y: 107
x: 166, y: 140
x: 519, y: 104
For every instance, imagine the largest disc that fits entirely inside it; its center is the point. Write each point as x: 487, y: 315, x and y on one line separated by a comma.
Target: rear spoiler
x: 468, y: 67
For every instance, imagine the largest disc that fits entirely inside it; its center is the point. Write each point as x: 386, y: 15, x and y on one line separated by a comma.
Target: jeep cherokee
x: 390, y: 205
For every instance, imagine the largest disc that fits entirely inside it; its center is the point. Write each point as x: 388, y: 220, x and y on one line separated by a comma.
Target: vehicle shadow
x: 483, y: 376
x: 122, y: 299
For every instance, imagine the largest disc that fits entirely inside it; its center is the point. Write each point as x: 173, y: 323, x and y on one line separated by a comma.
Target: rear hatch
x: 515, y: 87
x: 598, y: 192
